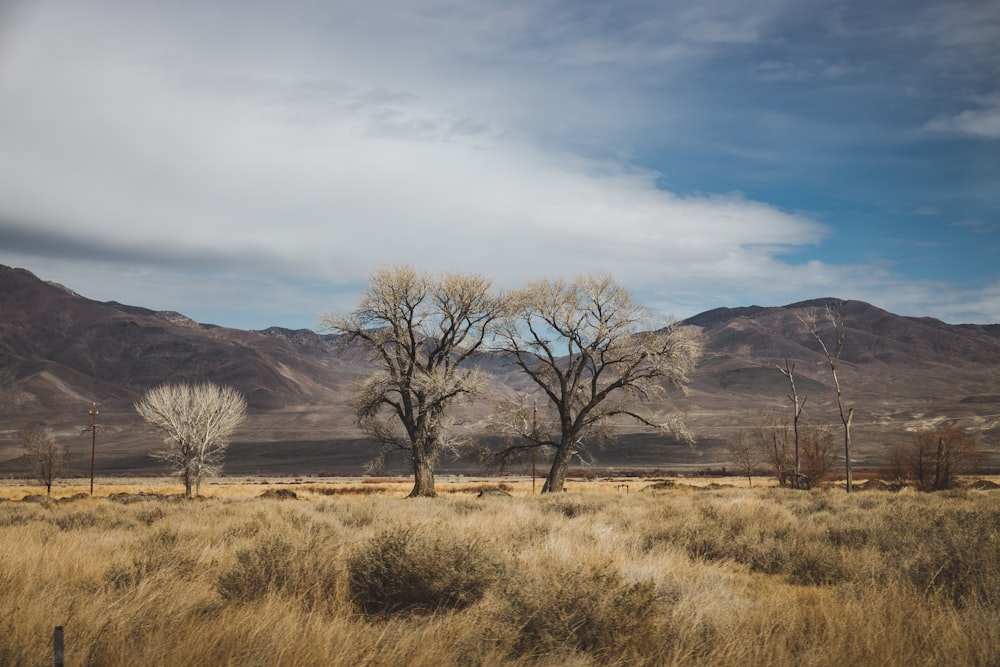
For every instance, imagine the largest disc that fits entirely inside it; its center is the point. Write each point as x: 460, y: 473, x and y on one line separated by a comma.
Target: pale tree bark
x: 836, y: 320
x: 421, y: 331
x: 797, y: 407
x: 196, y: 422
x: 586, y: 347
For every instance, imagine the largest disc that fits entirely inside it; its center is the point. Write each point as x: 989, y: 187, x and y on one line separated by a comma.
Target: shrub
x: 161, y: 554
x: 590, y: 609
x: 258, y: 570
x: 409, y: 570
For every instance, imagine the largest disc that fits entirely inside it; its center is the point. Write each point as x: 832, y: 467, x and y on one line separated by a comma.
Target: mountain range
x: 60, y: 353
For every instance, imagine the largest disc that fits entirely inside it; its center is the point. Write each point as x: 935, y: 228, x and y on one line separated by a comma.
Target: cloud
x: 159, y: 161
x: 814, y: 69
x: 303, y: 144
x: 978, y: 226
x: 983, y: 123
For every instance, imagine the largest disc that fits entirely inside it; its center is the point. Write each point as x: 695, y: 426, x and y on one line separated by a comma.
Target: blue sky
x: 249, y: 163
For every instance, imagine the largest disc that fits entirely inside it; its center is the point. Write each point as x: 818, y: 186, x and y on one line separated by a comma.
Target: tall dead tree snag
x: 797, y: 407
x: 835, y: 318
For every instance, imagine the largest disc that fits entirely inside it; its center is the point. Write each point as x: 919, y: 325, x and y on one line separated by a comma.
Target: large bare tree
x: 196, y: 422
x: 835, y: 318
x: 420, y: 329
x: 46, y: 458
x: 587, y: 348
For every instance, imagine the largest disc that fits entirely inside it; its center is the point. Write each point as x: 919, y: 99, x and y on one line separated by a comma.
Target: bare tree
x: 196, y: 422
x: 46, y: 459
x: 936, y: 456
x: 797, y: 407
x: 817, y: 455
x: 772, y: 439
x: 420, y: 330
x: 585, y: 346
x: 836, y: 320
x: 743, y: 453
x: 896, y: 462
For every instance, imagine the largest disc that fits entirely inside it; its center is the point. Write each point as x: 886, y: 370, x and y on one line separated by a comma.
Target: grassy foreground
x: 677, y: 577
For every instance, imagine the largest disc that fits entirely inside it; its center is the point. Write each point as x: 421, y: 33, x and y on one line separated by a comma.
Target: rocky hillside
x: 60, y: 352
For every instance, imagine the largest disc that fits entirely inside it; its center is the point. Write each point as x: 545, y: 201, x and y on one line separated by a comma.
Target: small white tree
x: 196, y: 422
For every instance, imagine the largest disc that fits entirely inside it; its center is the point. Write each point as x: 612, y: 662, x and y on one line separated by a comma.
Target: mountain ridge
x: 60, y: 352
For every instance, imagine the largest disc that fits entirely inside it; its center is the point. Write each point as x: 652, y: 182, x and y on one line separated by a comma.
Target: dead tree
x: 836, y: 320
x: 743, y: 454
x: 45, y: 457
x: 797, y: 407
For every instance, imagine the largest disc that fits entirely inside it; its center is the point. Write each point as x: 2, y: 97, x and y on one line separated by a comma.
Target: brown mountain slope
x: 59, y: 352
x: 899, y: 373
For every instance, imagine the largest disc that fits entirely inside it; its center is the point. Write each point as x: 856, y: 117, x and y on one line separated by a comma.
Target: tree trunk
x: 423, y: 474
x: 797, y: 479
x: 938, y: 464
x: 560, y: 466
x: 847, y: 449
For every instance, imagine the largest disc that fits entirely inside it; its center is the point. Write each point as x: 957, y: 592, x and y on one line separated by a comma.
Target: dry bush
x: 572, y: 505
x: 588, y: 608
x: 276, y: 566
x: 259, y: 570
x: 421, y: 570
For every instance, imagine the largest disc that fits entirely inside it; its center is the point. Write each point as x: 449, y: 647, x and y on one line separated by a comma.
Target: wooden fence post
x: 57, y: 645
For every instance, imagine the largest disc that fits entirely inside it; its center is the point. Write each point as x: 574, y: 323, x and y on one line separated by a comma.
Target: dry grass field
x: 351, y: 573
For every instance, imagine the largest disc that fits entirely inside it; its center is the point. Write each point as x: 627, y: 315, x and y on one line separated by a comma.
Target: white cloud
x: 797, y: 71
x: 980, y: 123
x: 312, y: 142
x: 281, y: 172
x: 978, y: 226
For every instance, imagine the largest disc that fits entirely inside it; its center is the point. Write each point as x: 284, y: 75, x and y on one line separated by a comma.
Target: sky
x: 250, y: 163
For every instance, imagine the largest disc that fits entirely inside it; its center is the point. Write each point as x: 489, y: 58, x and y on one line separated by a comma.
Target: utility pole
x: 93, y: 443
x: 534, y: 445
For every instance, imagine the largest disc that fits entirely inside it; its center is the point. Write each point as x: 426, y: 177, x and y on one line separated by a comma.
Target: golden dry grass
x: 590, y: 577
x: 251, y: 487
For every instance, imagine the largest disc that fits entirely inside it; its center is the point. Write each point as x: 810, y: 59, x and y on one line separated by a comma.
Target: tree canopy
x: 196, y: 422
